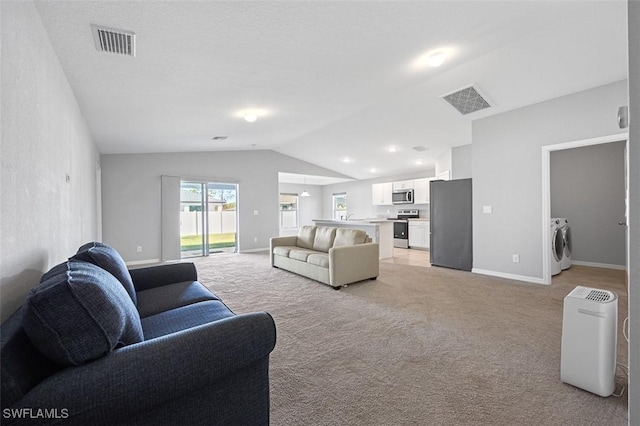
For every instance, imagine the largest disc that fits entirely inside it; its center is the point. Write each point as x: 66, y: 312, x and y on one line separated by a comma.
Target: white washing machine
x: 567, y: 244
x: 557, y: 247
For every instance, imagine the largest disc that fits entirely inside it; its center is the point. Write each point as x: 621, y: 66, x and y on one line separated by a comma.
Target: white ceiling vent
x: 466, y: 100
x: 419, y: 148
x: 114, y: 41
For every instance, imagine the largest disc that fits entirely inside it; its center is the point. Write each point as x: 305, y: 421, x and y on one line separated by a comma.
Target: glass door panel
x: 192, y: 223
x: 207, y: 218
x: 222, y: 214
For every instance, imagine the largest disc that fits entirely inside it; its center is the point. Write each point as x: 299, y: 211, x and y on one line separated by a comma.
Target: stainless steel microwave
x: 402, y: 196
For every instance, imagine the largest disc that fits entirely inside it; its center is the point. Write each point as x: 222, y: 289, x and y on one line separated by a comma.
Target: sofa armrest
x: 141, y: 377
x: 348, y: 264
x: 280, y: 241
x: 157, y: 276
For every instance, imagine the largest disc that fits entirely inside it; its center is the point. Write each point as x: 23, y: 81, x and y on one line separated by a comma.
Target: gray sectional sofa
x: 333, y: 256
x: 97, y: 344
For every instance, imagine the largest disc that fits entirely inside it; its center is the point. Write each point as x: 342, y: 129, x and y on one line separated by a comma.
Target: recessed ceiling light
x: 418, y: 162
x: 373, y: 170
x: 433, y: 58
x: 250, y: 117
x: 252, y: 113
x: 392, y: 149
x: 436, y: 59
x: 346, y: 160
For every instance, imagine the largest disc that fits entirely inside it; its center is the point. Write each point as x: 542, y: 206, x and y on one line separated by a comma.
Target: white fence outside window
x: 219, y: 222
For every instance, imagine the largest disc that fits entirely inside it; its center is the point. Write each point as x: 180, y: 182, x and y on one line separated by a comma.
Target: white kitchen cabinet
x: 403, y: 184
x: 419, y: 234
x: 421, y: 191
x: 381, y: 194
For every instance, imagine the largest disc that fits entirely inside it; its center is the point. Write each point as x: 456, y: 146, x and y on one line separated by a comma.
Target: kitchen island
x: 380, y: 231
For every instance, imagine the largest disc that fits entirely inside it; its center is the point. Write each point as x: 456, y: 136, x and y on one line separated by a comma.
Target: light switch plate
x: 487, y: 209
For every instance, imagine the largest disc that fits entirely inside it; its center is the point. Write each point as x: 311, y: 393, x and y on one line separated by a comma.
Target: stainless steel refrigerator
x: 451, y: 224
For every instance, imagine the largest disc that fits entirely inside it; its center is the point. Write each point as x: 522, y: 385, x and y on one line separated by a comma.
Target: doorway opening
x: 208, y: 218
x: 546, y: 193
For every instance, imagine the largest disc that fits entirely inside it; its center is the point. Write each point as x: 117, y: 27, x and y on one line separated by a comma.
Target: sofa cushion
x: 80, y: 314
x: 110, y: 260
x: 184, y: 317
x: 283, y: 250
x: 349, y: 237
x: 299, y: 254
x: 166, y: 297
x: 306, y: 235
x: 324, y: 238
x: 319, y: 259
x: 23, y: 366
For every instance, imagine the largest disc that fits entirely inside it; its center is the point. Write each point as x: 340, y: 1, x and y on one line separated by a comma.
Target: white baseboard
x: 599, y: 265
x: 524, y: 278
x: 254, y: 250
x: 142, y: 262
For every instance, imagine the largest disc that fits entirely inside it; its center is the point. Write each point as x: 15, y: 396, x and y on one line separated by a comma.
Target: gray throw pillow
x: 110, y: 260
x: 80, y: 314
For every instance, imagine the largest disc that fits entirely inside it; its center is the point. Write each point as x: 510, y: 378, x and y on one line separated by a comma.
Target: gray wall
x: 43, y: 218
x: 587, y: 187
x: 507, y: 172
x: 461, y: 165
x: 634, y: 207
x: 443, y: 162
x: 131, y: 194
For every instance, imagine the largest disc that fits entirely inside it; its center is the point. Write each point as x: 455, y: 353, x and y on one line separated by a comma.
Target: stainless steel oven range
x: 401, y: 227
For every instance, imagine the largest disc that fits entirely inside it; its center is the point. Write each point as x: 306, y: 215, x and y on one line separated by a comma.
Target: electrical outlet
x: 487, y: 209
x: 139, y: 249
x: 515, y: 258
x: 255, y: 239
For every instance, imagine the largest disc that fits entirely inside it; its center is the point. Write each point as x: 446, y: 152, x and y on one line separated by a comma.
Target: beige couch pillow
x: 349, y: 237
x: 306, y: 235
x: 324, y: 238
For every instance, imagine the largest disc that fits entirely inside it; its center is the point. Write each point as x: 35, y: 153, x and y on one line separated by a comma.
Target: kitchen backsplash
x: 392, y: 211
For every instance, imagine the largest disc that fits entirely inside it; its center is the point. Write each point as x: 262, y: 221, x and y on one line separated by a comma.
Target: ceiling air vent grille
x: 466, y: 100
x: 114, y: 41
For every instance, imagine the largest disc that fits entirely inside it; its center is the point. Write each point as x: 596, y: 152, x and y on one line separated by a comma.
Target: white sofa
x: 333, y: 256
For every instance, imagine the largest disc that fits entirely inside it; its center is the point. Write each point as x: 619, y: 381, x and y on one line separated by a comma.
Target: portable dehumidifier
x: 589, y: 339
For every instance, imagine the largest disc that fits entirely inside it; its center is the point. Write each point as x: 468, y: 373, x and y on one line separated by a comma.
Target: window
x: 340, y: 205
x: 288, y: 211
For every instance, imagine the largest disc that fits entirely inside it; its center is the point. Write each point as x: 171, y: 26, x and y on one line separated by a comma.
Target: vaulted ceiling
x: 328, y: 80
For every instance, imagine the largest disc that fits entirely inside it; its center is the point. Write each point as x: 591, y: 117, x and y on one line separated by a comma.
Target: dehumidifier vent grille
x: 598, y: 296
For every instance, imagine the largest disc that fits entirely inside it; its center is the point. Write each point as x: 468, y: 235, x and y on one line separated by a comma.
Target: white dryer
x: 557, y: 247
x: 567, y: 244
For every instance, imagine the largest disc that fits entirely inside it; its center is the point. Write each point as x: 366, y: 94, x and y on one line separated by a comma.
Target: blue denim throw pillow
x: 110, y: 260
x: 80, y: 314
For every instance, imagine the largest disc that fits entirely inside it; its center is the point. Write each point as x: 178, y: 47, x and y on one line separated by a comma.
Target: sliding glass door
x: 208, y: 218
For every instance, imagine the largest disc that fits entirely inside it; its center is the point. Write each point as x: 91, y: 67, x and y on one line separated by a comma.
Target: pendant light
x: 305, y: 193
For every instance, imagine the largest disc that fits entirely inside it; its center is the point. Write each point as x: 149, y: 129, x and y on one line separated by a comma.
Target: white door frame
x: 546, y: 190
